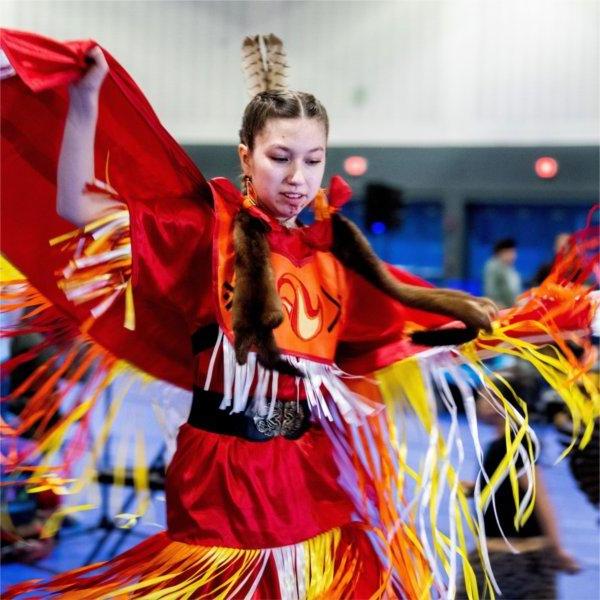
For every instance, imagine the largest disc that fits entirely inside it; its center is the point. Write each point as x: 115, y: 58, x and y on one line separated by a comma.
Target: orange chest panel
x: 312, y: 293
x: 312, y: 300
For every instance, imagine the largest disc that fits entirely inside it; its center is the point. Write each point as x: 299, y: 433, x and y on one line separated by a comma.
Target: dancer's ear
x: 245, y: 159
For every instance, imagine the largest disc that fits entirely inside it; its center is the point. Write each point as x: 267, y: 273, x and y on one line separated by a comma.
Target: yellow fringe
x: 559, y: 368
x: 404, y: 380
x: 101, y: 265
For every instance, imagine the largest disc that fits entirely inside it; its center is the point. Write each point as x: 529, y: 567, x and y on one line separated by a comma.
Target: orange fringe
x: 75, y: 355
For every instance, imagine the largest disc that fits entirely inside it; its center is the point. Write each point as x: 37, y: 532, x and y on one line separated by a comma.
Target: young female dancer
x: 287, y: 478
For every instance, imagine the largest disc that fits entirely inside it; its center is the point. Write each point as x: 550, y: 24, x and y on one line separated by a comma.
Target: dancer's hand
x: 91, y: 82
x: 488, y: 311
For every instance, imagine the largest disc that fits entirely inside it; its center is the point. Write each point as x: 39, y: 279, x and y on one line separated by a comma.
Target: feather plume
x: 264, y: 63
x: 253, y: 66
x: 277, y: 66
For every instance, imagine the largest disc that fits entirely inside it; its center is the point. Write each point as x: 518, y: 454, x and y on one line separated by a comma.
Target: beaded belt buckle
x: 288, y: 419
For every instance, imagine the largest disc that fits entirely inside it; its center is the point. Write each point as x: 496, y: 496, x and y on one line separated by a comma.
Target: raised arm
x: 76, y: 160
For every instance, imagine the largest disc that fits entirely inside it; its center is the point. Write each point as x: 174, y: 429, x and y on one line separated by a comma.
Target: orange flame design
x: 306, y: 321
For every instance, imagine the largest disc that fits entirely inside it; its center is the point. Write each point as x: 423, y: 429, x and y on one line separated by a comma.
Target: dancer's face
x: 286, y: 164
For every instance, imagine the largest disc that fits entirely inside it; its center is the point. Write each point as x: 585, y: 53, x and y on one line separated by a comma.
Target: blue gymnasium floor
x: 578, y: 522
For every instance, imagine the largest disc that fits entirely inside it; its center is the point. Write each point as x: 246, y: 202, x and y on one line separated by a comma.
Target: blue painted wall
x: 418, y: 245
x: 532, y: 227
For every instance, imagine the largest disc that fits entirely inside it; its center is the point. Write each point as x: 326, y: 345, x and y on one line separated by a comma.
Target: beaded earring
x: 321, y: 206
x: 250, y: 198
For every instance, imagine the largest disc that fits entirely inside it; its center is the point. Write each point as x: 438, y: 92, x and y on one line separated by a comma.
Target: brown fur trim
x: 254, y: 277
x: 353, y: 250
x: 256, y: 306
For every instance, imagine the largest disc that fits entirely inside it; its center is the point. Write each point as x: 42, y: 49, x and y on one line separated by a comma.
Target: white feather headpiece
x: 264, y: 63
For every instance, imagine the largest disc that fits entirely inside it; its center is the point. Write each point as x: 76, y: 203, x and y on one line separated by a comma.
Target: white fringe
x: 322, y: 385
x: 289, y: 562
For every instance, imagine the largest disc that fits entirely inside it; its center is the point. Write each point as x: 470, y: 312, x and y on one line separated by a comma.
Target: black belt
x: 289, y: 419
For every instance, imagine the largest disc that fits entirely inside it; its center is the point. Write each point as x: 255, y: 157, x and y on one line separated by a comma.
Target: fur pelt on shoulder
x: 256, y: 307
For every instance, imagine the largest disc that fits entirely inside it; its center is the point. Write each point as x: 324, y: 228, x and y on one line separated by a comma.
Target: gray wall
x: 455, y: 176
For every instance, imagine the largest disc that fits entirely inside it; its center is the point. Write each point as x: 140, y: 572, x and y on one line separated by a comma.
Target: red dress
x: 228, y: 492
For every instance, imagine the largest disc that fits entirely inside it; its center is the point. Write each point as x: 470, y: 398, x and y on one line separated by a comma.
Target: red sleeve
x: 373, y: 335
x: 138, y: 157
x: 171, y: 243
x: 412, y: 315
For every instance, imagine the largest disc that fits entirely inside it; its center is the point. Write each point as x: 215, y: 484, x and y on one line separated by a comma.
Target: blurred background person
x: 24, y: 514
x: 501, y: 280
